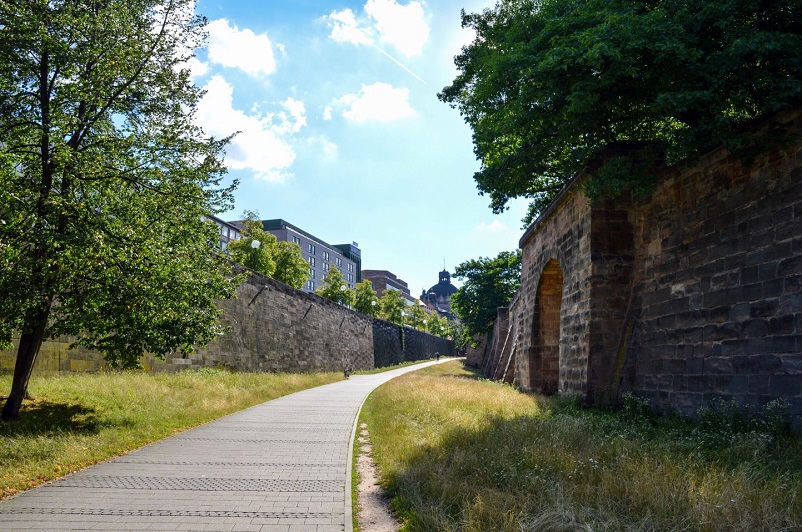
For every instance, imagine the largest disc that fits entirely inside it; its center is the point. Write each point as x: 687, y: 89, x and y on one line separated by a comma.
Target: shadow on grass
x: 41, y: 417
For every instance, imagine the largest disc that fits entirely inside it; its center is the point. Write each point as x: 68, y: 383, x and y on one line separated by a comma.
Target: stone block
x: 718, y: 365
x: 785, y: 385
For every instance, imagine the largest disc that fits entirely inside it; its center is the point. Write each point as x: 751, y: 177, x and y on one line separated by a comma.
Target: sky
x: 340, y: 130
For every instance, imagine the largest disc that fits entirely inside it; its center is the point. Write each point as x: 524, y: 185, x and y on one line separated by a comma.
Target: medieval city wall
x: 690, y: 294
x: 272, y: 327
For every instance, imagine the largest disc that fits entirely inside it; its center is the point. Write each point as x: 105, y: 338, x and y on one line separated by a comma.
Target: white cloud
x: 403, y: 27
x: 230, y: 47
x: 324, y: 146
x: 493, y: 227
x: 379, y: 102
x: 345, y: 28
x: 327, y: 113
x: 197, y: 68
x: 263, y: 143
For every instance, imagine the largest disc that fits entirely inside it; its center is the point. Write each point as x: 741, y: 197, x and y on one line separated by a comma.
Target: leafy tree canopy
x: 416, y: 317
x: 488, y: 285
x: 105, y: 182
x: 365, y: 300
x: 291, y: 266
x: 392, y: 306
x: 256, y: 247
x: 261, y: 251
x: 335, y: 288
x: 547, y: 85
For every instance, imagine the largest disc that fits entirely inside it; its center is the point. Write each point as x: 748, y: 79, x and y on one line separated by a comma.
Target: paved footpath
x: 284, y: 465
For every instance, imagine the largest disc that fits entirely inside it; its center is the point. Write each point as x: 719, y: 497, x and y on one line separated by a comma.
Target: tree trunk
x: 29, y: 345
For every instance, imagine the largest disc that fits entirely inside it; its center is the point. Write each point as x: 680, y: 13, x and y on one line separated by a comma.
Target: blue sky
x: 341, y: 131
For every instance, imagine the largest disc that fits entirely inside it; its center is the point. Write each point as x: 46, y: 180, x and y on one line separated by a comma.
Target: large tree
x: 488, y: 285
x: 105, y: 181
x: 334, y: 288
x: 261, y: 251
x: 365, y: 300
x: 549, y: 85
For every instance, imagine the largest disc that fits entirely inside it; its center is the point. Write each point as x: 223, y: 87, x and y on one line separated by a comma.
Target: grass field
x: 460, y: 453
x: 76, y: 420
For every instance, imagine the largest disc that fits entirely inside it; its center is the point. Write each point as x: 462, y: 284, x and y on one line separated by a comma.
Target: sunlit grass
x: 77, y: 420
x: 460, y: 453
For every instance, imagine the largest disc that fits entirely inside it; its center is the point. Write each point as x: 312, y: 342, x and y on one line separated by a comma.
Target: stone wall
x: 272, y: 327
x: 690, y: 294
x: 718, y: 283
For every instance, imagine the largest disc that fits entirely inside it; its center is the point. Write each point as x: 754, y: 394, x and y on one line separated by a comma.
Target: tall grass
x: 76, y: 420
x: 459, y: 453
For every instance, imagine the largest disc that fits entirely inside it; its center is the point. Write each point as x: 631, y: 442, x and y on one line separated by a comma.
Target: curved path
x: 284, y: 465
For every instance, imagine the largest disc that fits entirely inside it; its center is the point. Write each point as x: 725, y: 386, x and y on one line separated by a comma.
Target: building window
x: 339, y: 262
x: 311, y: 249
x: 325, y: 266
x: 296, y: 240
x: 312, y: 261
x: 350, y: 267
x: 311, y: 273
x: 310, y: 284
x: 350, y: 277
x: 325, y: 255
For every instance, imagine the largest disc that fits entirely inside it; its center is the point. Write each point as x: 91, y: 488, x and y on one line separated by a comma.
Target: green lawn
x: 460, y: 453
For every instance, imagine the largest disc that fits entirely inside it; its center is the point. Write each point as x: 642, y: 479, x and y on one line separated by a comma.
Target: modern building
x: 228, y: 231
x: 382, y: 280
x: 321, y: 256
x: 439, y: 296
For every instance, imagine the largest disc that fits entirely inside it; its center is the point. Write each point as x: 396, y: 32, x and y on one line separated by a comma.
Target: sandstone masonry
x: 690, y: 294
x: 272, y: 327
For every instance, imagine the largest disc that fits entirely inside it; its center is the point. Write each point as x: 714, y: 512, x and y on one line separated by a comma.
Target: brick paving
x: 282, y: 466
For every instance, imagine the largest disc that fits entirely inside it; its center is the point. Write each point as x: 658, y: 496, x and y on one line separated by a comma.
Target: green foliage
x: 365, y: 300
x: 335, y: 288
x: 548, y: 85
x: 261, y: 251
x: 256, y: 247
x: 392, y: 305
x: 416, y: 317
x: 438, y: 326
x: 291, y: 267
x: 488, y: 285
x: 105, y: 181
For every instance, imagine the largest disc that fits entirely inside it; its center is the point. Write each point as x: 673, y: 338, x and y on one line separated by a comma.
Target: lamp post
x: 254, y: 245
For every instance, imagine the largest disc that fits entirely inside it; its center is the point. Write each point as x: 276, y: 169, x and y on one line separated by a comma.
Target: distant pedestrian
x: 437, y: 355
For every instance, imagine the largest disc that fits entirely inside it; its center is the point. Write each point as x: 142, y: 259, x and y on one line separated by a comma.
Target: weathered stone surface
x: 275, y: 328
x: 691, y: 293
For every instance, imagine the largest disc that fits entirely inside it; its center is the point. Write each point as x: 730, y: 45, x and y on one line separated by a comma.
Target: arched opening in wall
x: 544, y: 362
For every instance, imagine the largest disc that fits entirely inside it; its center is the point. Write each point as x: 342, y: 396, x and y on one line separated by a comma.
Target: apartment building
x: 321, y: 256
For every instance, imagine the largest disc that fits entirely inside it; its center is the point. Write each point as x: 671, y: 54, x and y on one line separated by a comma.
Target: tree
x: 489, y: 284
x: 365, y: 300
x: 105, y: 182
x: 437, y: 325
x: 416, y: 317
x: 392, y: 306
x: 261, y: 251
x: 335, y: 288
x: 255, y: 248
x: 549, y: 86
x: 291, y: 266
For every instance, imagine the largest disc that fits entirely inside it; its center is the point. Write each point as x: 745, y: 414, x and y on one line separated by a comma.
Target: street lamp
x: 255, y: 245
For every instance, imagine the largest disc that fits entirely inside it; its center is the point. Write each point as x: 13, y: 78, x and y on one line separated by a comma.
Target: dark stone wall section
x: 275, y: 328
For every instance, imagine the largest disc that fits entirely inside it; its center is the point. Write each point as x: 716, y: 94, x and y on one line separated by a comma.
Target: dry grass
x: 458, y: 453
x: 77, y: 420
